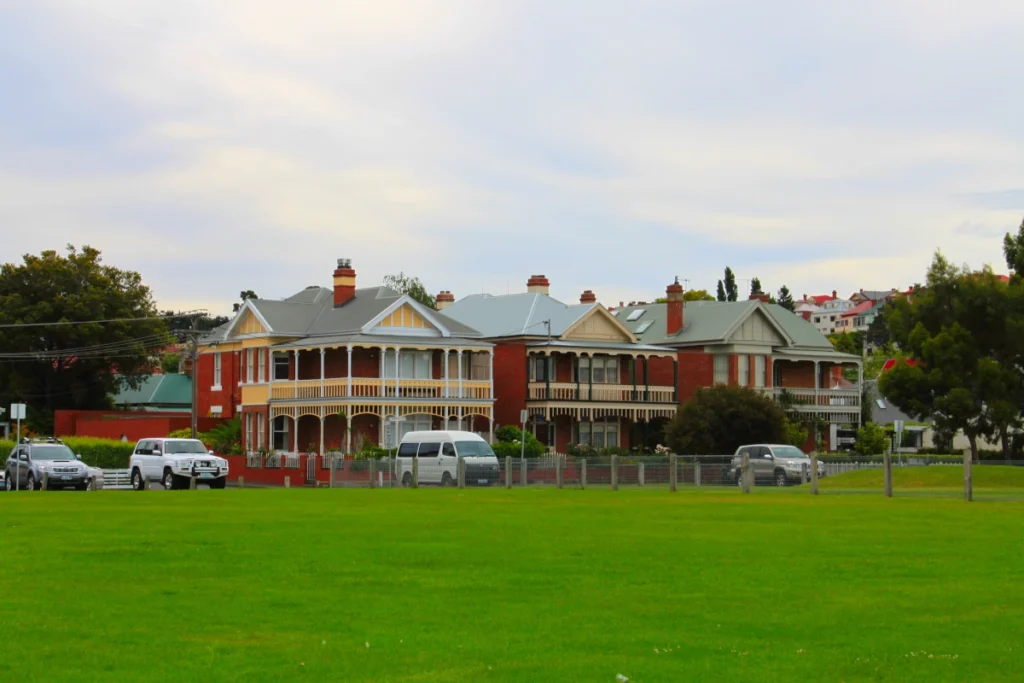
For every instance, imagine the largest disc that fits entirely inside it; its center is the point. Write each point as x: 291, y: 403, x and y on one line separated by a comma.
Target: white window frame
x: 217, y: 364
x: 585, y: 432
x: 248, y: 431
x: 416, y: 423
x: 281, y: 361
x: 262, y: 365
x: 422, y: 364
x: 760, y: 371
x: 721, y: 368
x: 260, y: 429
x: 248, y: 366
x: 743, y: 374
x: 588, y: 364
x: 274, y: 431
x: 542, y: 361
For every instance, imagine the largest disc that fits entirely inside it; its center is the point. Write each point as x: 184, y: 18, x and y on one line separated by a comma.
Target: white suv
x: 174, y: 463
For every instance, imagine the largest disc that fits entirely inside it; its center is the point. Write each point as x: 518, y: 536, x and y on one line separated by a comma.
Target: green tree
x: 689, y: 295
x: 1013, y: 250
x: 247, y: 294
x: 786, y: 299
x: 755, y: 287
x: 731, y: 292
x: 871, y: 440
x: 721, y: 292
x: 848, y: 342
x: 412, y: 286
x: 170, y: 363
x: 77, y: 365
x: 719, y: 419
x: 878, y: 331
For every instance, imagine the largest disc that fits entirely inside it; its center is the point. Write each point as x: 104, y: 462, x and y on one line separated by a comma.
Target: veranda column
x: 323, y: 361
x: 576, y: 369
x: 398, y: 371
x: 460, y: 381
x: 295, y: 383
x: 860, y: 387
x: 817, y: 383
x: 490, y: 374
x: 295, y: 424
x: 383, y: 374
x: 349, y: 371
x: 447, y: 377
x: 322, y: 418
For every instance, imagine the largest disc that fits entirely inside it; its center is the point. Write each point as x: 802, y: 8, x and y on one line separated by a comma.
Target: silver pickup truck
x: 776, y: 464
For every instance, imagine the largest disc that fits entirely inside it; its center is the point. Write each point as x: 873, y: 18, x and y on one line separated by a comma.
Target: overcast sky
x: 220, y: 145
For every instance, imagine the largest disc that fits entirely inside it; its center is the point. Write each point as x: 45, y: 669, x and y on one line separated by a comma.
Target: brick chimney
x: 588, y: 297
x: 444, y: 300
x: 344, y: 282
x: 537, y: 284
x: 763, y: 298
x: 674, y: 294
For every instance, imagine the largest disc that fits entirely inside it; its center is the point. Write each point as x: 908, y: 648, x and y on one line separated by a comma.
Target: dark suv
x: 32, y: 460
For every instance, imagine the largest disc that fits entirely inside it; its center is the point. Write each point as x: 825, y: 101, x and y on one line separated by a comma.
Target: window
x: 280, y: 434
x: 599, y: 434
x: 721, y: 369
x: 412, y: 365
x: 429, y: 450
x: 216, y: 369
x: 415, y: 423
x: 744, y: 371
x: 248, y: 365
x: 281, y: 366
x: 448, y: 449
x: 635, y: 315
x: 760, y: 371
x: 479, y: 367
x: 262, y: 354
x: 407, y: 450
x: 642, y: 327
x: 539, y: 368
x: 260, y: 430
x: 605, y: 369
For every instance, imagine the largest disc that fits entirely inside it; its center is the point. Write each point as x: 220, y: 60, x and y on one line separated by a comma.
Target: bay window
x: 605, y: 369
x: 598, y: 434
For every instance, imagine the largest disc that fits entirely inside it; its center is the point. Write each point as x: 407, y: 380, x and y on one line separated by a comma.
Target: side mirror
x: 78, y: 456
x: 769, y: 456
x: 212, y: 453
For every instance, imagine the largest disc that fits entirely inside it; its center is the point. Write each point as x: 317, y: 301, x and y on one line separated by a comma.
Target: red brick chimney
x: 763, y: 298
x: 444, y: 300
x: 537, y: 284
x: 344, y: 282
x: 588, y: 297
x: 674, y: 294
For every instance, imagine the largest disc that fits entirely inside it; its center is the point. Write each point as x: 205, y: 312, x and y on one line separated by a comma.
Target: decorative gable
x: 757, y: 328
x: 405, y: 316
x: 598, y: 325
x: 248, y: 324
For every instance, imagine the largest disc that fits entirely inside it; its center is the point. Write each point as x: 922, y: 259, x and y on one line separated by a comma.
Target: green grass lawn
x: 996, y: 480
x: 521, y: 585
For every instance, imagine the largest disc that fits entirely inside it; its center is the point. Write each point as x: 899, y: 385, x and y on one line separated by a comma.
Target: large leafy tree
x: 697, y: 295
x: 1013, y: 250
x: 731, y: 292
x: 786, y: 299
x: 755, y: 286
x: 721, y: 296
x: 247, y: 294
x: 106, y: 334
x: 878, y: 331
x: 719, y: 419
x: 406, y: 284
x: 848, y: 342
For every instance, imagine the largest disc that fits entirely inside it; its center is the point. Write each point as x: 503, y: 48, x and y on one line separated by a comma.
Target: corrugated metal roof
x: 515, y: 315
x: 158, y: 390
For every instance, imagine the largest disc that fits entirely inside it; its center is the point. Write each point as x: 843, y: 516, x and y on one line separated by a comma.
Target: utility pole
x: 194, y: 344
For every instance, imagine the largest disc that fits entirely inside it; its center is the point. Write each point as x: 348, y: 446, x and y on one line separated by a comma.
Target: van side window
x: 448, y: 449
x: 142, y: 448
x: 429, y: 450
x: 407, y: 450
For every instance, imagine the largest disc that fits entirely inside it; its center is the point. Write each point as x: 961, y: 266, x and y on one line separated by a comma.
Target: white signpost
x: 897, y: 427
x: 17, y: 413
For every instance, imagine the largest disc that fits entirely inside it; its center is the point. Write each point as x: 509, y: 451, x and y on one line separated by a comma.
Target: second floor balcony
x: 610, y: 393
x: 373, y: 388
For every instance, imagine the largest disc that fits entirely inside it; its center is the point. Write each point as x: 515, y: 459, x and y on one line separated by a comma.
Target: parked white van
x: 438, y: 451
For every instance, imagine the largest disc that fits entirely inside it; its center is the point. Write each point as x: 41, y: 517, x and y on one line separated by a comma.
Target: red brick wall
x: 365, y: 362
x: 797, y: 375
x: 563, y: 367
x: 696, y: 369
x: 229, y: 395
x: 133, y: 426
x: 509, y: 382
x: 660, y: 372
x: 769, y: 375
x: 734, y: 370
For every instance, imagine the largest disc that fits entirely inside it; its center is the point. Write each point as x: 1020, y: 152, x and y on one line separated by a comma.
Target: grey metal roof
x: 380, y: 339
x: 711, y: 321
x: 515, y: 315
x: 887, y: 413
x: 626, y: 346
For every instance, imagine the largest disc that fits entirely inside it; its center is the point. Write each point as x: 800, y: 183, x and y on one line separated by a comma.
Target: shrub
x: 719, y: 419
x: 871, y: 440
x: 509, y: 436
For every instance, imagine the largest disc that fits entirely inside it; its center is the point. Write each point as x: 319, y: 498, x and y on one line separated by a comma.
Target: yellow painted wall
x: 250, y: 325
x: 258, y: 395
x: 405, y: 317
x: 596, y: 327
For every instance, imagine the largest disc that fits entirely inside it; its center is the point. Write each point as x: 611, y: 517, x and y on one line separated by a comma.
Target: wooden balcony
x: 372, y: 388
x: 817, y: 400
x: 608, y: 393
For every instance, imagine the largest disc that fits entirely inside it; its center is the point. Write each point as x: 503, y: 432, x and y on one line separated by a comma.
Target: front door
x: 764, y: 467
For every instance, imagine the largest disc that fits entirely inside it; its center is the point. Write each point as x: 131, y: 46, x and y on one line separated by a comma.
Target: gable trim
x: 758, y: 306
x: 598, y: 309
x: 247, y: 306
x: 422, y: 310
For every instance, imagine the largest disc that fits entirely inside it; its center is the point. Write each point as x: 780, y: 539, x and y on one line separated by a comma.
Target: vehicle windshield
x: 48, y: 453
x: 474, y: 449
x: 178, y: 447
x: 788, y: 452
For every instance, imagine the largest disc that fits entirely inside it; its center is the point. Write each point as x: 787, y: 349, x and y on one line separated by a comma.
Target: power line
x: 59, y: 323
x: 97, y: 350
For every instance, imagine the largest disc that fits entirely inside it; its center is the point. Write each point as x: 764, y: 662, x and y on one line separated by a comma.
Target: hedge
x: 103, y: 453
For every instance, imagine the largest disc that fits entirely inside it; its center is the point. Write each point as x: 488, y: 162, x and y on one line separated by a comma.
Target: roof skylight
x: 635, y: 315
x: 643, y: 326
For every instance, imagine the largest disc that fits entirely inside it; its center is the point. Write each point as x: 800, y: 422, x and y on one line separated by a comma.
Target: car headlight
x: 41, y: 468
x: 222, y: 463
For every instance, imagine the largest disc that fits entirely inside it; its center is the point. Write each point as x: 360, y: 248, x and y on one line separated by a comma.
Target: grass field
x: 997, y: 478
x: 521, y: 585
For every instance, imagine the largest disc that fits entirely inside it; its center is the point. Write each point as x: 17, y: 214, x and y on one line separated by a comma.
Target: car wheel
x: 780, y: 478
x: 446, y: 479
x: 168, y: 481
x: 407, y: 479
x: 8, y: 482
x: 32, y: 484
x: 138, y: 483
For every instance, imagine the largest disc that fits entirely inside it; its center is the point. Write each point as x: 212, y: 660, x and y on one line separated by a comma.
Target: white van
x: 438, y: 451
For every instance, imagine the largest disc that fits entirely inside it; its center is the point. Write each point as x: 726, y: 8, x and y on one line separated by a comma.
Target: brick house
x: 328, y: 369
x: 583, y: 376
x: 749, y: 343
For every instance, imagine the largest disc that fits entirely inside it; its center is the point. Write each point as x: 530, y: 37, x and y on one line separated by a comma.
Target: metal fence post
x: 371, y: 470
x: 508, y: 471
x: 333, y: 472
x: 803, y: 474
x: 241, y: 482
x: 558, y: 471
x: 415, y: 472
x: 460, y: 471
x: 615, y: 472
x: 887, y: 460
x: 287, y: 482
x: 673, y: 473
x: 523, y: 471
x: 746, y: 474
x: 696, y: 473
x: 192, y: 484
x: 45, y: 483
x: 968, y: 476
x: 640, y: 474
x: 583, y: 473
x: 814, y: 475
